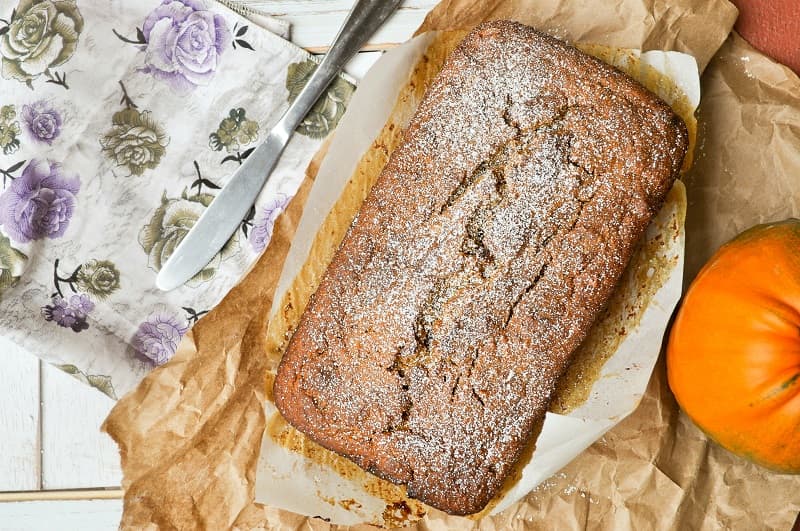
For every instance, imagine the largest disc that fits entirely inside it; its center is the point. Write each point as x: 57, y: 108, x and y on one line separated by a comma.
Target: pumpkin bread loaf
x: 488, y: 246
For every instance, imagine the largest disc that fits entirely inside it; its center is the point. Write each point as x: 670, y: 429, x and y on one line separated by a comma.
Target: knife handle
x: 364, y: 19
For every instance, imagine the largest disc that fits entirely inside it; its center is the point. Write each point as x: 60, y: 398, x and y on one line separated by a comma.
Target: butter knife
x: 223, y: 216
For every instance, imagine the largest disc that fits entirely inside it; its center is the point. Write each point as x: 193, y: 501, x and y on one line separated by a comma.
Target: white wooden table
x: 51, y: 450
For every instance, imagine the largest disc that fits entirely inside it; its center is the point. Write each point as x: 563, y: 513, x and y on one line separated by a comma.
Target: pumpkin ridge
x: 781, y: 390
x: 791, y: 381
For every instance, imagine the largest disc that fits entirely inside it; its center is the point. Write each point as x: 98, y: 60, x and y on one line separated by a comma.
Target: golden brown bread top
x: 483, y: 254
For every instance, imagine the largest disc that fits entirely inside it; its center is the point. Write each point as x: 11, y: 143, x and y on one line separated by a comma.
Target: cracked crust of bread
x: 485, y: 251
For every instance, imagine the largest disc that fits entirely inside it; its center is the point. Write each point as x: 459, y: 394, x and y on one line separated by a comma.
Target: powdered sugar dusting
x: 475, y: 268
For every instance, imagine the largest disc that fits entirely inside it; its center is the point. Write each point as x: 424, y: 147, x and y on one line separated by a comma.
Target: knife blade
x: 223, y: 216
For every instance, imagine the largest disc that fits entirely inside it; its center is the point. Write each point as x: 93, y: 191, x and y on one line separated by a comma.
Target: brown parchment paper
x: 189, y: 434
x: 696, y: 27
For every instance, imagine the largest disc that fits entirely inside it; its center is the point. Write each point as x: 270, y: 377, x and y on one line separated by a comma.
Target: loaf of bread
x: 485, y: 251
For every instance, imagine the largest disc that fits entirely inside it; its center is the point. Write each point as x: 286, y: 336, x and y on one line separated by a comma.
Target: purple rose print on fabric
x: 261, y: 233
x: 184, y: 43
x: 42, y: 121
x: 70, y: 313
x: 157, y: 338
x: 39, y: 203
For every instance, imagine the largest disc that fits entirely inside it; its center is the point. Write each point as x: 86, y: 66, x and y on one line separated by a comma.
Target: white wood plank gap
x: 108, y: 493
x: 75, y: 453
x: 20, y: 459
x: 88, y: 515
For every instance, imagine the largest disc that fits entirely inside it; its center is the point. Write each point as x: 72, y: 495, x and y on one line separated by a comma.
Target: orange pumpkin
x: 733, y: 357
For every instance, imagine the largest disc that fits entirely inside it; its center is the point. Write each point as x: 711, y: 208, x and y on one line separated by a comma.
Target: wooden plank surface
x: 315, y: 22
x: 19, y: 419
x: 75, y: 453
x: 87, y: 515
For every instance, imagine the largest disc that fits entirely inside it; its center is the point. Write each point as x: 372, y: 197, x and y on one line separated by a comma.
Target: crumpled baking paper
x: 189, y: 435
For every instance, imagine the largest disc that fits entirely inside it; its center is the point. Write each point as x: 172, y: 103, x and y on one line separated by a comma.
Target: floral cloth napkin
x: 119, y: 122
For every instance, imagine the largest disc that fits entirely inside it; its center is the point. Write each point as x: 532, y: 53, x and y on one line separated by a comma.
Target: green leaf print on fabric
x: 239, y: 33
x: 40, y: 35
x: 12, y: 264
x: 327, y: 112
x: 99, y: 278
x: 170, y: 223
x: 98, y: 381
x: 9, y: 130
x: 8, y: 173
